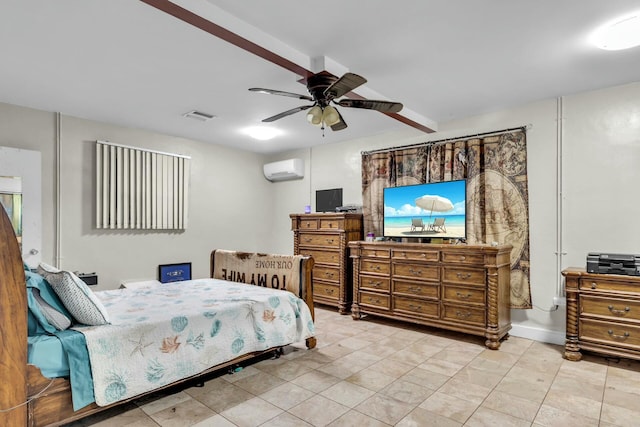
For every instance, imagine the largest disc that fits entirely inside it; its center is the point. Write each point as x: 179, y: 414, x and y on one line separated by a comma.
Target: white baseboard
x: 538, y: 334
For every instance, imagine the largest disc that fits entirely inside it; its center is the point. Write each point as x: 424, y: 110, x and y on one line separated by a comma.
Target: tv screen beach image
x: 426, y: 210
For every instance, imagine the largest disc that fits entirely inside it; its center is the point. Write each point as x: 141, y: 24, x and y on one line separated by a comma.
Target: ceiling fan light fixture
x: 314, y: 116
x: 330, y: 116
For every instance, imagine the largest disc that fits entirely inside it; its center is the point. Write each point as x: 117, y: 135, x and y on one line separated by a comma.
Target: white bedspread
x: 176, y: 330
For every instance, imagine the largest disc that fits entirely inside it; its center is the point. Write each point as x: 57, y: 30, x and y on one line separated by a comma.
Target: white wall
x: 600, y: 151
x: 230, y: 201
x: 233, y: 206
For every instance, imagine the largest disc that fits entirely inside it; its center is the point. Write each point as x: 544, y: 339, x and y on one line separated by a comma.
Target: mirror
x: 11, y: 200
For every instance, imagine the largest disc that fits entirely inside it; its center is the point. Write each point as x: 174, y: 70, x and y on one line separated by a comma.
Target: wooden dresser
x: 464, y: 288
x: 603, y: 314
x: 325, y: 236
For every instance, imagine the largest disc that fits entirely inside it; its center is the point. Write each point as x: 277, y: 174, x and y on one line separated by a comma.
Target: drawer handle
x: 329, y: 291
x: 462, y: 296
x: 308, y: 224
x: 619, y: 312
x: 618, y: 337
x: 463, y: 315
x: 415, y: 272
x: 377, y: 267
x: 308, y: 240
x: 593, y: 285
x: 415, y: 307
x: 375, y: 284
x: 415, y: 290
x: 462, y: 257
x: 328, y: 274
x: 376, y: 300
x: 463, y: 275
x: 330, y: 241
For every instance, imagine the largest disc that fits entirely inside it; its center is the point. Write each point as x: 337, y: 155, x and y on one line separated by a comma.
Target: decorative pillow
x: 76, y: 296
x: 46, y: 311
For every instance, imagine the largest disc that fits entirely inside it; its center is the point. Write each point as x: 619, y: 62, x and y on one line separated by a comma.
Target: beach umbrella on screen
x: 434, y: 203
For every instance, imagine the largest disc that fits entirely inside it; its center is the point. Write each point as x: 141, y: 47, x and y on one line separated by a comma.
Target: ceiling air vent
x: 199, y: 115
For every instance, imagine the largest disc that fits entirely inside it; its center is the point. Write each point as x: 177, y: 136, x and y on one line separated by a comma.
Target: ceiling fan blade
x: 370, y: 104
x: 343, y: 85
x: 281, y: 93
x: 287, y: 113
x: 340, y: 125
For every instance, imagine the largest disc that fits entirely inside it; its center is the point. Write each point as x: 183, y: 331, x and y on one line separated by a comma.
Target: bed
x: 256, y: 320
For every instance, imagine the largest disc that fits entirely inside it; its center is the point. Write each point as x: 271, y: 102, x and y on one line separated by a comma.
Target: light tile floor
x: 375, y: 372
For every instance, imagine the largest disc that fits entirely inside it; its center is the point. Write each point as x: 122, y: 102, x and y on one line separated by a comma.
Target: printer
x: 605, y: 263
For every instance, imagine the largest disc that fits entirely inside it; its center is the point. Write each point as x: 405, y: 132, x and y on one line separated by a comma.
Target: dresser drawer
x: 416, y: 271
x: 462, y: 258
x: 474, y: 276
x: 326, y: 290
x: 612, y: 308
x: 322, y: 257
x: 308, y: 224
x: 331, y: 274
x: 424, y: 308
x: 462, y: 313
x: 371, y: 266
x: 376, y: 253
x: 459, y: 294
x: 329, y: 240
x: 377, y: 283
x: 413, y: 255
x: 612, y: 333
x: 609, y: 285
x: 374, y: 300
x: 424, y: 289
x: 331, y: 224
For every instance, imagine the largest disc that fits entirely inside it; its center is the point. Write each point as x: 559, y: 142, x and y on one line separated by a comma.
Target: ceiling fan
x: 325, y: 88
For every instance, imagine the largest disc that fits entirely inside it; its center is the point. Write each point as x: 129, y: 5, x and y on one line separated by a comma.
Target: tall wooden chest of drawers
x: 603, y: 314
x: 325, y: 236
x: 459, y: 287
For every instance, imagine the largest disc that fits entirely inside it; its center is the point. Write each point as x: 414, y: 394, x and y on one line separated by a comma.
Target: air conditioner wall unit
x: 284, y: 170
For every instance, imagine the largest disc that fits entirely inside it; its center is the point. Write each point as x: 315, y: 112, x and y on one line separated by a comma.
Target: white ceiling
x: 128, y: 63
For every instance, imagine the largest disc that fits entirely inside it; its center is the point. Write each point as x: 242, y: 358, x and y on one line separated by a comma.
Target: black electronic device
x: 607, y: 263
x: 90, y: 279
x: 328, y: 200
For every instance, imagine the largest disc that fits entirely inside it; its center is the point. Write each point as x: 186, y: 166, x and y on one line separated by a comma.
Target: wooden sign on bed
x: 266, y: 270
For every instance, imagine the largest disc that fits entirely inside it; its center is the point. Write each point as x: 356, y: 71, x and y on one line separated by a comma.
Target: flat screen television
x: 328, y: 200
x: 431, y: 210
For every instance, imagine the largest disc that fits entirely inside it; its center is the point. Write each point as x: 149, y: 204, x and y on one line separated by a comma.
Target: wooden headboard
x: 13, y: 328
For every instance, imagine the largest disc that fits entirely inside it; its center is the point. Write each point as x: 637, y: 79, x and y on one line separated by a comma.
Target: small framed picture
x: 174, y: 272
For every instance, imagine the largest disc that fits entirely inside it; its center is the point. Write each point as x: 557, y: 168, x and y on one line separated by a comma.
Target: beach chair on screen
x: 438, y: 225
x: 417, y: 223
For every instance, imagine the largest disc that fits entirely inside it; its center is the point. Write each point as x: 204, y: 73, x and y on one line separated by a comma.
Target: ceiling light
x: 314, y: 116
x: 263, y: 133
x: 198, y: 115
x: 622, y: 33
x: 330, y: 116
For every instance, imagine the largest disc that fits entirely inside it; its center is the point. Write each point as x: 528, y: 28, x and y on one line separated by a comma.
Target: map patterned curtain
x: 495, y: 167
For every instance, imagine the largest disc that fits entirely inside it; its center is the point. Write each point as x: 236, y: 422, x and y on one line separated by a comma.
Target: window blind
x: 140, y: 189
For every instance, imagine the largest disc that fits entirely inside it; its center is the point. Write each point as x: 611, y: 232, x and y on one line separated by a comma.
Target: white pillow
x: 53, y: 316
x: 76, y: 296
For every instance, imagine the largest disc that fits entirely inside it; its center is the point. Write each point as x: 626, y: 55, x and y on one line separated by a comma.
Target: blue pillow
x: 44, y: 306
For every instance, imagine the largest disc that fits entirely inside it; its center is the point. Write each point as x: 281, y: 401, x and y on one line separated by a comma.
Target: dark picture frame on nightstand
x: 174, y: 272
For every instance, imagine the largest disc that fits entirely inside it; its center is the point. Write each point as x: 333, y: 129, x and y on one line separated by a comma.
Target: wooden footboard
x: 50, y: 401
